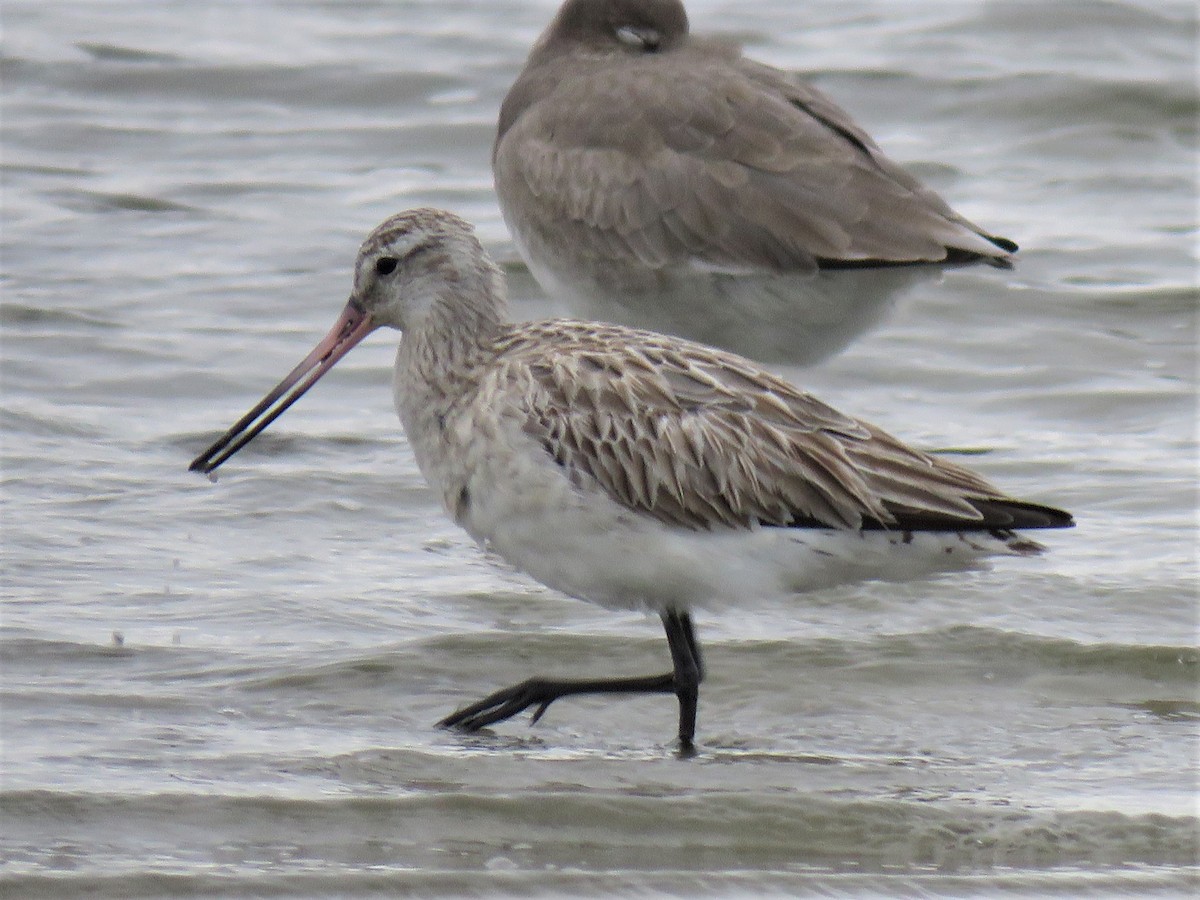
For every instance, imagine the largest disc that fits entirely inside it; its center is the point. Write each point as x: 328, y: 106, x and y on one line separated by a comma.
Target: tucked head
x: 629, y: 26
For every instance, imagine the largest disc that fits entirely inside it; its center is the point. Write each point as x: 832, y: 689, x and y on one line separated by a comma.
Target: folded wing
x: 701, y: 439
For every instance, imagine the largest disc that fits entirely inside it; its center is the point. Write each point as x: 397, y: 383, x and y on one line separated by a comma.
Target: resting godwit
x: 662, y: 180
x: 633, y: 469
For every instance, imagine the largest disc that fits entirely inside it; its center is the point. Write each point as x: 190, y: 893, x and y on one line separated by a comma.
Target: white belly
x: 591, y: 548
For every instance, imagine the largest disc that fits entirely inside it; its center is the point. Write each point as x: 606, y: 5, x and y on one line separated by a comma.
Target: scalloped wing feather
x: 698, y: 438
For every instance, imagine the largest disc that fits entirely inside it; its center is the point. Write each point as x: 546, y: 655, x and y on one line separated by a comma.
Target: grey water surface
x: 229, y: 689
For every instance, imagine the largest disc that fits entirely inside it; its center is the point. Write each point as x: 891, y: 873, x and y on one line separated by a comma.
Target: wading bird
x: 632, y: 469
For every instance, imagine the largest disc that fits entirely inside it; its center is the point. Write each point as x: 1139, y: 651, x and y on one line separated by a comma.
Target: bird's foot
x: 504, y: 704
x: 686, y: 749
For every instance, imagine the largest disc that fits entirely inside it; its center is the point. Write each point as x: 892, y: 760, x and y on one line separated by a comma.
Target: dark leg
x: 689, y: 672
x: 683, y: 681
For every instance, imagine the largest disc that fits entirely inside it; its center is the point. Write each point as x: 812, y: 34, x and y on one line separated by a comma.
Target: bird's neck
x: 456, y: 333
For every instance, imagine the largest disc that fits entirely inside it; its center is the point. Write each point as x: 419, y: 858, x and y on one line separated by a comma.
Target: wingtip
x: 1009, y: 247
x: 1005, y: 516
x: 1035, y: 515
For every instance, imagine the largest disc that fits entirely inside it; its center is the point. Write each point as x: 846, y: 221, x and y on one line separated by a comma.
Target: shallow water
x: 228, y: 689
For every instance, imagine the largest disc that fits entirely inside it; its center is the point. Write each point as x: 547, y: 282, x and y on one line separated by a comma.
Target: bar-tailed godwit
x: 633, y: 469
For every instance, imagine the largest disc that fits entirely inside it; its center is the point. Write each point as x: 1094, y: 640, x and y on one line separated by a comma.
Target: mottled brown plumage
x: 633, y: 469
x: 701, y: 439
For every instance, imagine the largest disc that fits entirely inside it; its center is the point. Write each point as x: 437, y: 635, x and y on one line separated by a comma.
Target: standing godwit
x: 632, y: 469
x: 662, y: 180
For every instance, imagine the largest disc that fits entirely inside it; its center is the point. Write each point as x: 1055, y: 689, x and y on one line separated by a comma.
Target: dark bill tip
x: 351, y: 327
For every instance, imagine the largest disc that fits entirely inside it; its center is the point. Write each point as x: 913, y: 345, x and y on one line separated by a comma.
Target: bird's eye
x: 647, y: 39
x: 386, y: 265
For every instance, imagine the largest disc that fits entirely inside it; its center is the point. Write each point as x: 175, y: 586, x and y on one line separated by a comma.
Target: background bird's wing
x: 736, y: 166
